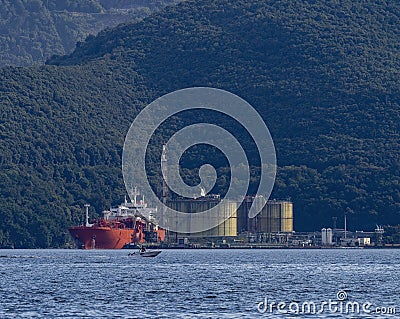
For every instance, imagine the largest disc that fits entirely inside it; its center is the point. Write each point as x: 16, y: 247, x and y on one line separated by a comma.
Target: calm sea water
x: 197, y: 283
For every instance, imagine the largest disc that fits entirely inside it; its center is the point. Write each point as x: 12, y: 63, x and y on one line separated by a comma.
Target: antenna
x: 164, y: 169
x: 164, y: 172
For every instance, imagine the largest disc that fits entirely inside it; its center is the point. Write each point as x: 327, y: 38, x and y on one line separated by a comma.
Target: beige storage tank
x: 287, y: 217
x: 226, y: 212
x: 275, y: 217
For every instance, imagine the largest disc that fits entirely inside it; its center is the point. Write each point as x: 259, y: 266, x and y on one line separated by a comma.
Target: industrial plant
x: 273, y: 224
x: 272, y: 227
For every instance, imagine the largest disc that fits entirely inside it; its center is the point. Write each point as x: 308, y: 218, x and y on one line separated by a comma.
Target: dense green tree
x: 32, y: 31
x: 324, y: 76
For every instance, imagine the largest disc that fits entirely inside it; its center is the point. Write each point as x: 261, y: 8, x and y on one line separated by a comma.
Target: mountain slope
x: 323, y: 76
x: 32, y: 31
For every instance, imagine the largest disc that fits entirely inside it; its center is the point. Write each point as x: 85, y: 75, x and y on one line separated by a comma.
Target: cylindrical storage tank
x: 323, y: 236
x: 227, y: 212
x: 274, y: 217
x: 261, y: 221
x: 228, y: 228
x: 287, y: 217
x: 244, y: 223
x: 329, y: 236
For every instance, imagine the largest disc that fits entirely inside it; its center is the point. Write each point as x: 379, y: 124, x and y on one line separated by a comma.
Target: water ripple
x: 191, y: 283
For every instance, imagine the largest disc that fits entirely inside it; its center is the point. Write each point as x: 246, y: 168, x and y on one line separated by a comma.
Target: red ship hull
x: 102, y: 237
x: 96, y: 237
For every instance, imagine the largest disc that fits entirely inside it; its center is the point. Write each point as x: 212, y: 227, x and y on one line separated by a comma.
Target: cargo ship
x: 131, y: 222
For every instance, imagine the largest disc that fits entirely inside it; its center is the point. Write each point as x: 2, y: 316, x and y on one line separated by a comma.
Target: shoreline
x: 269, y: 247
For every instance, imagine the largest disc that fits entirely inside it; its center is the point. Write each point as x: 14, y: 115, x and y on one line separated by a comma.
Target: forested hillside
x: 33, y: 30
x: 324, y: 76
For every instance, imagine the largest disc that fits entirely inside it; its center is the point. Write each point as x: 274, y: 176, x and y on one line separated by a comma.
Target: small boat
x: 150, y: 253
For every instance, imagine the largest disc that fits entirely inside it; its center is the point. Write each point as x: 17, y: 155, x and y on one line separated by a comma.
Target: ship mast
x: 135, y: 193
x: 87, y: 215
